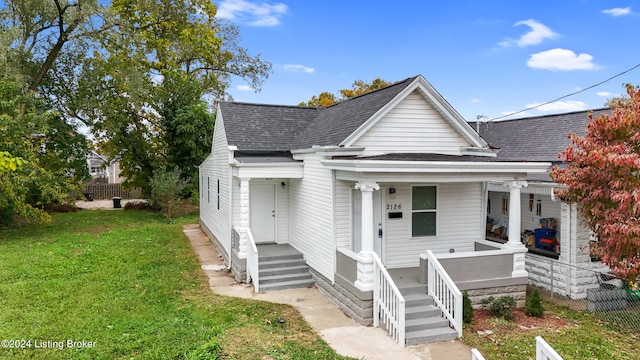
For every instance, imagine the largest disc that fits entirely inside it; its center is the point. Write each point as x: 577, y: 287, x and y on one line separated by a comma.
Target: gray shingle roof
x: 538, y: 138
x: 264, y: 127
x: 278, y: 127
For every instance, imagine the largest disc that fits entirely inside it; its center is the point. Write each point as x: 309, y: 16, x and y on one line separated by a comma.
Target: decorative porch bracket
x: 514, y: 244
x: 365, y: 262
x: 244, y: 218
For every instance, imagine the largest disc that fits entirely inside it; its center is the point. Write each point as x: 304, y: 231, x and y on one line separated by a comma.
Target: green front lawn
x: 582, y: 336
x: 128, y: 285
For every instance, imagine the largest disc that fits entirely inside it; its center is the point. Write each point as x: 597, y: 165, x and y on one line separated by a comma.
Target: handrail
x: 445, y: 293
x: 544, y: 351
x: 253, y: 271
x: 476, y: 355
x: 388, y: 302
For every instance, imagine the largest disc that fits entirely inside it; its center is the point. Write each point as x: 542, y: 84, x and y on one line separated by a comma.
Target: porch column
x: 514, y: 243
x: 365, y: 263
x: 514, y: 212
x: 244, y: 217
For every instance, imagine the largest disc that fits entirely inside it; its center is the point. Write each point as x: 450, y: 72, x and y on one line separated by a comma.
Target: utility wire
x: 565, y: 96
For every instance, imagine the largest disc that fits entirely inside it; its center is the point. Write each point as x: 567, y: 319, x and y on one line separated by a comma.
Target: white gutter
x: 435, y: 166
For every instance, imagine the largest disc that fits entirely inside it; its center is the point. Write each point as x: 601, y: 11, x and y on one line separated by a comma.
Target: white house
x: 378, y: 194
x: 103, y: 170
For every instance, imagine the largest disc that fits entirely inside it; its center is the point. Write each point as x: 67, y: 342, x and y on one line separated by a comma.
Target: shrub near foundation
x: 501, y: 307
x: 533, y: 305
x: 467, y: 309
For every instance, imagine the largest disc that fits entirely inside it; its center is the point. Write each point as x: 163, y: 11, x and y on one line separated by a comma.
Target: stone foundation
x: 571, y: 281
x: 519, y: 293
x: 238, y: 266
x: 360, y: 310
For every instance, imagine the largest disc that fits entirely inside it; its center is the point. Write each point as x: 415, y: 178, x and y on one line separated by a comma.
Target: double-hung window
x: 424, y: 211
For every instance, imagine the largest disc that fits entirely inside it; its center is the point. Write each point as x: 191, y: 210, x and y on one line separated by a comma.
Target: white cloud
x: 617, y: 11
x: 560, y: 106
x: 561, y: 59
x: 604, y: 93
x: 475, y: 101
x: 539, y: 32
x: 250, y: 13
x: 244, y: 88
x: 296, y: 68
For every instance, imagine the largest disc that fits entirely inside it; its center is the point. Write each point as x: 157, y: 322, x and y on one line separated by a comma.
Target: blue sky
x: 489, y: 58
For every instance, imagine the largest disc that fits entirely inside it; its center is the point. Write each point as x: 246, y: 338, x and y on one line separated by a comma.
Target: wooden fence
x: 108, y: 191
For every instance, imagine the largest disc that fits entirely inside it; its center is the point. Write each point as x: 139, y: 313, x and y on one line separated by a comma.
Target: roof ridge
x: 270, y: 105
x: 546, y: 116
x: 374, y: 91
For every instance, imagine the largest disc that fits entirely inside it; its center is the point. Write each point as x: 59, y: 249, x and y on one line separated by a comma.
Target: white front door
x: 262, y: 212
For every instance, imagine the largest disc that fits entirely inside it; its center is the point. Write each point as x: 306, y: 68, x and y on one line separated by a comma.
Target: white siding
x: 216, y: 168
x: 459, y: 223
x: 412, y: 126
x: 311, y: 216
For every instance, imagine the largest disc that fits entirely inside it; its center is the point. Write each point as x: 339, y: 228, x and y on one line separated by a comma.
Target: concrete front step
x: 421, y: 312
x: 284, y: 277
x: 412, y: 300
x: 426, y: 324
x: 430, y: 335
x: 294, y: 269
x: 292, y: 284
x: 418, y: 289
x: 280, y: 257
x: 269, y: 263
x: 284, y: 271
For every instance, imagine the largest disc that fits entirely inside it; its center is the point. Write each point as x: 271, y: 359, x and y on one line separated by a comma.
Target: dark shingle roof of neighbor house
x: 538, y: 138
x: 279, y: 127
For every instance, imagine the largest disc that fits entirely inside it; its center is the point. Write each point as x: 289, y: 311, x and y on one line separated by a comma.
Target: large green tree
x: 602, y: 177
x: 147, y: 90
x: 136, y: 73
x: 44, y: 155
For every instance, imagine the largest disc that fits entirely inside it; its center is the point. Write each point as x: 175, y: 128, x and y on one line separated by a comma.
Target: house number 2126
x: 394, y: 206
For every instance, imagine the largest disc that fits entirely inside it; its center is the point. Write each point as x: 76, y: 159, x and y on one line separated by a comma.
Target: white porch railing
x: 445, y: 293
x: 475, y: 355
x: 388, y: 303
x: 253, y: 274
x: 544, y: 351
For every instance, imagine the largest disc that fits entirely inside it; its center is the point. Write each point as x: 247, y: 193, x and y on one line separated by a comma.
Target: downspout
x: 230, y: 204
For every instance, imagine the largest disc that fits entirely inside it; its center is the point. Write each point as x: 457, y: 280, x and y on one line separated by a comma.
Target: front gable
x: 418, y: 120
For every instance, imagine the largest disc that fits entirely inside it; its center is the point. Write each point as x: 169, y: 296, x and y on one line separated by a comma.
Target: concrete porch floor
x: 406, y: 277
x: 269, y: 250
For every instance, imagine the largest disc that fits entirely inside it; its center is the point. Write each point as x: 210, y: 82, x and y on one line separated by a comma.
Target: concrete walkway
x: 339, y: 331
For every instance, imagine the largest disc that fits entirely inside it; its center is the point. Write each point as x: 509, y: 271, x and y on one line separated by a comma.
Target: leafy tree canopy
x: 358, y: 87
x: 46, y: 168
x: 139, y: 74
x: 602, y: 178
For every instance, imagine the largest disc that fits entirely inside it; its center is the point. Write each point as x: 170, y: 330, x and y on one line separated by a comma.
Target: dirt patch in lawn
x: 485, y: 322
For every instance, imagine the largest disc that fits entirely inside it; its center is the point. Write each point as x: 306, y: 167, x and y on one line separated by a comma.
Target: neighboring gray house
x: 374, y: 194
x: 102, y: 170
x: 542, y: 138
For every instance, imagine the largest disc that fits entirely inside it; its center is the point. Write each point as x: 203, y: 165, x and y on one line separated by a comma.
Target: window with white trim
x: 424, y: 211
